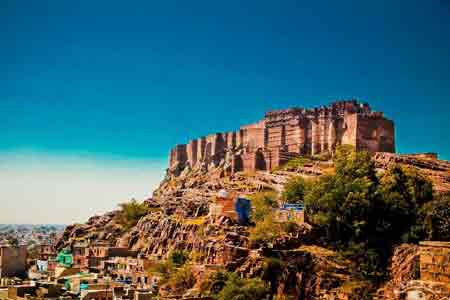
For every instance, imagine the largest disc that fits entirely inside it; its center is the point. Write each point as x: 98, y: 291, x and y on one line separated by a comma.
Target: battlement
x: 291, y: 132
x: 338, y: 108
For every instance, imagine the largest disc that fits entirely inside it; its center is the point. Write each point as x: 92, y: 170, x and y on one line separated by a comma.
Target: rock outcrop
x: 428, y: 164
x: 97, y: 228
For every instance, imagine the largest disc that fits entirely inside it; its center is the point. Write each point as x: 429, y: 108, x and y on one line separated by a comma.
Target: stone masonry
x: 284, y: 134
x: 435, y: 261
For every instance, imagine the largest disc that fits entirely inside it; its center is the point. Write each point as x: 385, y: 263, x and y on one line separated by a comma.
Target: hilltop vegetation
x: 130, y: 213
x: 363, y: 214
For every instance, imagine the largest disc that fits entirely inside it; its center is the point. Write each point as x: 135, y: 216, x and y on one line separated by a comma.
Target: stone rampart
x: 289, y: 133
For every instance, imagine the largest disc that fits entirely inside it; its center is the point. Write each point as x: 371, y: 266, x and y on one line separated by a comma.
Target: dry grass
x: 195, y: 221
x: 319, y: 251
x: 329, y: 171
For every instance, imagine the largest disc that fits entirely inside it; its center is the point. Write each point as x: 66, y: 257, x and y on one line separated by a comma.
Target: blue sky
x: 116, y: 84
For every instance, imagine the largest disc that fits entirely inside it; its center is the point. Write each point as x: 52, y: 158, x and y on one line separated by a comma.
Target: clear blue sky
x: 125, y: 80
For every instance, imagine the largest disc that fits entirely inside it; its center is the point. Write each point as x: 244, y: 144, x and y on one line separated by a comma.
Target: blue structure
x: 291, y: 212
x: 292, y: 206
x: 243, y: 208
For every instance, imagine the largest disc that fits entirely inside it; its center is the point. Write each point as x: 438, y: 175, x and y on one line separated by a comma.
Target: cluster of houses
x: 117, y: 263
x: 101, y: 271
x: 87, y: 272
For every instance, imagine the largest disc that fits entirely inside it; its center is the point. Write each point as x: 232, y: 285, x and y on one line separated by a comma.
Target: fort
x: 285, y: 134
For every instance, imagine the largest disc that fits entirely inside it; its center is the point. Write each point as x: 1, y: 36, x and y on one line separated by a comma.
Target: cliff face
x: 438, y: 171
x: 284, y: 134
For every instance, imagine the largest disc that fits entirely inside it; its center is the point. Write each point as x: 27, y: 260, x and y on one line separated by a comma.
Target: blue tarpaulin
x: 243, y: 207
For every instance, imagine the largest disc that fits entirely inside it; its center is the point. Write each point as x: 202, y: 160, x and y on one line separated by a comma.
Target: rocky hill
x: 178, y: 218
x: 263, y: 157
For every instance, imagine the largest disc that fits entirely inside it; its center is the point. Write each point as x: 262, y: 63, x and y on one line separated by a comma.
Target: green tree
x: 294, y: 190
x: 434, y: 219
x: 341, y: 204
x: 363, y: 215
x: 403, y: 191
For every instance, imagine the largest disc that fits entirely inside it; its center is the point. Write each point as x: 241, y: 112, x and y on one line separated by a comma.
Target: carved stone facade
x: 284, y: 134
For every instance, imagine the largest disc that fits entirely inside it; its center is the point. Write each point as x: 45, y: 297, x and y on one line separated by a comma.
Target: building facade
x: 13, y: 261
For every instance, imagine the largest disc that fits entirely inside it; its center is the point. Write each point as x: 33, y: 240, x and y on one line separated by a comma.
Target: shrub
x: 214, y: 283
x: 13, y: 241
x: 290, y: 227
x: 130, y: 213
x: 325, y: 156
x: 355, y: 206
x: 178, y: 257
x: 182, y: 278
x: 196, y: 256
x: 269, y: 230
x: 263, y: 204
x: 295, y: 163
x: 266, y: 230
x: 367, y: 263
x: 163, y: 269
x: 237, y: 288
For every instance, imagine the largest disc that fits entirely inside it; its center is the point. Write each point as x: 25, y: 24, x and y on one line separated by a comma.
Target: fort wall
x: 283, y: 134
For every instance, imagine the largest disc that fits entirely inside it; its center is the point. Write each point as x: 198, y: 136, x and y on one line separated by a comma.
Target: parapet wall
x: 291, y: 132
